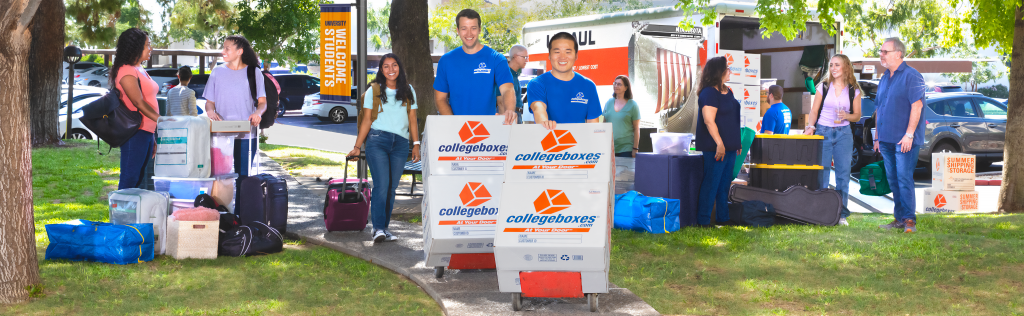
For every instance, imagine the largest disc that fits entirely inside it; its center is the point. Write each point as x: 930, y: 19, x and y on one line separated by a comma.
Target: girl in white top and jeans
x: 834, y: 124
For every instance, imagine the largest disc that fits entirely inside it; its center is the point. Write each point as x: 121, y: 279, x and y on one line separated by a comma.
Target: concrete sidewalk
x: 460, y: 292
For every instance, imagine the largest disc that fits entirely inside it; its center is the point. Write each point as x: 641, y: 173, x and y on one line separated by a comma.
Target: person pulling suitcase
x: 386, y: 123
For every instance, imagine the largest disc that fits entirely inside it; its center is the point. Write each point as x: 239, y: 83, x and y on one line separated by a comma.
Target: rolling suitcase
x: 347, y: 205
x: 264, y: 198
x: 820, y: 207
x: 672, y: 177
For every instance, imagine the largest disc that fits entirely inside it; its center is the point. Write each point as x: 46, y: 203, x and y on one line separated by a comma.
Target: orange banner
x: 547, y: 230
x: 553, y: 167
x: 469, y: 222
x: 470, y: 158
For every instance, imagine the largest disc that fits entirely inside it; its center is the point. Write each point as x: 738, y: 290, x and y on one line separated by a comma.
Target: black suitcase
x: 820, y: 207
x: 264, y: 198
x: 672, y: 177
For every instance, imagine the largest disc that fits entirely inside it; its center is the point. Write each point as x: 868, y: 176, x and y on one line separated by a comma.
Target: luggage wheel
x: 517, y: 301
x: 438, y: 272
x: 592, y: 301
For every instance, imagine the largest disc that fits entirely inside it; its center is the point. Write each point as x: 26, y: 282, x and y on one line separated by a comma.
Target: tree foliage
x: 983, y: 72
x: 206, y: 22
x: 281, y: 30
x: 997, y: 91
x: 97, y: 23
x: 916, y: 23
x: 377, y: 26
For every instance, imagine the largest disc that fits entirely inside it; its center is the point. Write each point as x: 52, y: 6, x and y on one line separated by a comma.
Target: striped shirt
x: 181, y: 101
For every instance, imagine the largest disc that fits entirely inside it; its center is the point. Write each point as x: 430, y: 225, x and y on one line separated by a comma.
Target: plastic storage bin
x: 222, y: 154
x: 671, y: 143
x: 781, y: 177
x: 786, y: 150
x: 189, y: 188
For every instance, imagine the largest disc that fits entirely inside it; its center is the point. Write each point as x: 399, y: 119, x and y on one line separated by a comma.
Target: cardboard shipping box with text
x: 570, y: 153
x: 465, y: 145
x: 461, y: 216
x: 953, y: 171
x: 938, y: 201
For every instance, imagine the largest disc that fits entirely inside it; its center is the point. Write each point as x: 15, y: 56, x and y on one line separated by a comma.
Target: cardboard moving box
x: 465, y: 145
x: 570, y: 153
x: 461, y: 216
x: 734, y: 59
x: 953, y: 171
x: 939, y: 201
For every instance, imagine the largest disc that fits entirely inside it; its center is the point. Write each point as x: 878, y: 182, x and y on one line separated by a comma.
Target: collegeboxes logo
x: 938, y: 165
x: 473, y: 132
x: 746, y: 61
x: 551, y: 201
x: 558, y: 140
x: 474, y: 194
x: 940, y: 201
x: 728, y: 60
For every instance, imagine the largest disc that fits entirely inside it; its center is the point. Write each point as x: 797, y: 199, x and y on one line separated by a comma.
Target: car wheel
x: 945, y: 147
x: 856, y: 161
x: 80, y: 134
x: 94, y: 83
x: 338, y: 115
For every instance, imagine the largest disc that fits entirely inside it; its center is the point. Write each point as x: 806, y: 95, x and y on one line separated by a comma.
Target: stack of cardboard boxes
x: 745, y: 84
x: 952, y: 188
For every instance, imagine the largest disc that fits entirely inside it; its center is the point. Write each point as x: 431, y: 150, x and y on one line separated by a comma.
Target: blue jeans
x: 714, y: 189
x: 242, y: 163
x: 899, y: 170
x: 386, y: 154
x: 837, y: 147
x: 135, y: 155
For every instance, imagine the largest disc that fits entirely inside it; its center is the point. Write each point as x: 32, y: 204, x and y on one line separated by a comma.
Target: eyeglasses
x: 525, y: 57
x: 883, y: 52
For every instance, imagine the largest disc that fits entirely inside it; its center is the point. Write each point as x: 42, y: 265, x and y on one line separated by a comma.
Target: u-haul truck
x: 552, y: 237
x: 663, y: 61
x: 464, y: 162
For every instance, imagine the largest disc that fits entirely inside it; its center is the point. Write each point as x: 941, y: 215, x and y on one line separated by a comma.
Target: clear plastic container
x: 177, y: 204
x: 222, y: 153
x: 671, y: 143
x: 221, y: 188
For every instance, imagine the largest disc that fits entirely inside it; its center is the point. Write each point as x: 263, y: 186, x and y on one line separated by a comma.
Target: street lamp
x: 71, y: 56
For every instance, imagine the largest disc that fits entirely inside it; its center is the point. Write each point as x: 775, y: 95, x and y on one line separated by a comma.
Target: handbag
x: 873, y: 180
x: 110, y: 119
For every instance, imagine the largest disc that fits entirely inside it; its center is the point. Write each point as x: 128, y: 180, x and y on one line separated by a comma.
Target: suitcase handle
x: 359, y: 186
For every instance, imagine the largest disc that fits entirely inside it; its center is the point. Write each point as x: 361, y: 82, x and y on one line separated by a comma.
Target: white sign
x: 869, y: 69
x: 465, y: 145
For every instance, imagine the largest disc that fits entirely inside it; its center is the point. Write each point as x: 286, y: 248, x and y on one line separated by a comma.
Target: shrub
x: 997, y: 91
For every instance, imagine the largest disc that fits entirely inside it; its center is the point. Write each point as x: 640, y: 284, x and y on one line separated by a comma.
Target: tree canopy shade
x: 281, y: 30
x: 207, y: 22
x: 98, y: 22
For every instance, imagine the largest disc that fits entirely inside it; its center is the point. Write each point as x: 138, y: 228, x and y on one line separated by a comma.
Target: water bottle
x: 693, y: 147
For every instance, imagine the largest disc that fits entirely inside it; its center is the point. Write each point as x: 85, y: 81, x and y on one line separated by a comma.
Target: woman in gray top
x: 181, y: 101
x: 228, y: 99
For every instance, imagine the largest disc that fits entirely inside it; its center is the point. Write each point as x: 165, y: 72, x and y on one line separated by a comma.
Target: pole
x: 361, y: 69
x: 71, y: 98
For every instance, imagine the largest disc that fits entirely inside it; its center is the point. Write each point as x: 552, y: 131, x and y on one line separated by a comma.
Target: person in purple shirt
x: 900, y: 130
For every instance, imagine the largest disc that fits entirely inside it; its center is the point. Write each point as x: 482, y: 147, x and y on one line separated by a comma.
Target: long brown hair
x: 628, y: 95
x: 711, y: 76
x: 847, y: 72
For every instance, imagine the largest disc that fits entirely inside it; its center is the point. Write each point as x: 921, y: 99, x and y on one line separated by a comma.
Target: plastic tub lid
x: 223, y: 176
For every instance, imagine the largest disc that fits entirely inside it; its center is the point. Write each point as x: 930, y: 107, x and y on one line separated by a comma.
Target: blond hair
x: 847, y: 72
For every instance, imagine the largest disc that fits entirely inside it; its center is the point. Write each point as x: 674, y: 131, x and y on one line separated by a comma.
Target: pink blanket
x: 198, y: 214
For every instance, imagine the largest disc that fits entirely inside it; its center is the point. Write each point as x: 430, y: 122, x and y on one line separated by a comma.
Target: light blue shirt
x: 393, y: 117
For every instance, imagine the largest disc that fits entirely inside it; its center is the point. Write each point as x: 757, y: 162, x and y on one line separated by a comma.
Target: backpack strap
x: 250, y: 72
x: 851, y: 93
x: 824, y: 94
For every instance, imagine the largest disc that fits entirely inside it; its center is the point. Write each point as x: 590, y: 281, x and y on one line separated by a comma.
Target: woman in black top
x: 718, y: 137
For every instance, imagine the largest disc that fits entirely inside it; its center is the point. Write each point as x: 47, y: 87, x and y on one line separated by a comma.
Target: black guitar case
x: 821, y: 207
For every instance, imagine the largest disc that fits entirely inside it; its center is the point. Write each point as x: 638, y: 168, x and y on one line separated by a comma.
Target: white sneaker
x: 379, y: 236
x: 843, y: 222
x: 390, y: 237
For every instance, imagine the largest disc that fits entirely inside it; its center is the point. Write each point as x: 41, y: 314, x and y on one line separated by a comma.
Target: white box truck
x: 663, y: 61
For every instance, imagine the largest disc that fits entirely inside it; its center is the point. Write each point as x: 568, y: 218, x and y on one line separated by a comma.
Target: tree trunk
x: 410, y: 38
x: 45, y: 56
x: 1011, y: 195
x: 19, y: 266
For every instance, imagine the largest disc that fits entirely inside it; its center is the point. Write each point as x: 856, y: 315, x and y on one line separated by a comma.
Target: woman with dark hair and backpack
x: 229, y: 98
x: 388, y: 120
x: 718, y: 136
x: 138, y: 92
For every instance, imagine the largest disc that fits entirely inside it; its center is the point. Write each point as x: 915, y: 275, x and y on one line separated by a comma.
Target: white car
x: 95, y: 77
x: 78, y: 130
x: 336, y: 113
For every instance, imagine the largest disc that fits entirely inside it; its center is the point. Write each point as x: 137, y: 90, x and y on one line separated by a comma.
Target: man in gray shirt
x: 181, y: 101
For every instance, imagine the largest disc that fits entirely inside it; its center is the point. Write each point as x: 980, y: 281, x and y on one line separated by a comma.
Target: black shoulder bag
x: 110, y: 119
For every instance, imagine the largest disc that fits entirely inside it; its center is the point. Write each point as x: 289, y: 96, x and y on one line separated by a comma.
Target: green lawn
x: 954, y: 265
x: 70, y: 183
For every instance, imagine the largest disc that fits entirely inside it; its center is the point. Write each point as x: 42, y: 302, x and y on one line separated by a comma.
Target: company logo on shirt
x: 940, y: 200
x: 482, y: 69
x: 473, y: 132
x: 578, y: 99
x: 557, y: 140
x: 474, y: 194
x: 551, y: 201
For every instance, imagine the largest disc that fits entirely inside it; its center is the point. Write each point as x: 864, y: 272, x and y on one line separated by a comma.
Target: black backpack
x: 267, y: 120
x: 752, y: 213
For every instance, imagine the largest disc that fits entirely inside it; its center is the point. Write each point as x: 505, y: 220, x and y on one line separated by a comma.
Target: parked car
x: 336, y: 113
x: 295, y: 88
x: 78, y: 130
x: 943, y: 88
x: 95, y: 77
x: 197, y: 83
x: 964, y: 122
x: 162, y: 75
x: 80, y: 67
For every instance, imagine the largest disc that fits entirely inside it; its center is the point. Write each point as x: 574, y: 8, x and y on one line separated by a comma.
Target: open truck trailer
x: 663, y: 62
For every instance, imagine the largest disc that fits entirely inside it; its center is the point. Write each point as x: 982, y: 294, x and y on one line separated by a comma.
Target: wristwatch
x: 909, y: 135
x: 416, y: 142
x: 634, y: 148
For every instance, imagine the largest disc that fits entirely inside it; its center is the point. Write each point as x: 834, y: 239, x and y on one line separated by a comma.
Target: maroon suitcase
x: 347, y: 205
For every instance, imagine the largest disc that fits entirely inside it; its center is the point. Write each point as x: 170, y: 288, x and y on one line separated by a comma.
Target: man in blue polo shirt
x: 900, y: 130
x: 467, y: 76
x: 562, y: 95
x: 778, y: 118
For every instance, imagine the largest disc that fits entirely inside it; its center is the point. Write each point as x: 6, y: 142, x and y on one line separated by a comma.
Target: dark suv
x: 295, y: 88
x: 965, y: 122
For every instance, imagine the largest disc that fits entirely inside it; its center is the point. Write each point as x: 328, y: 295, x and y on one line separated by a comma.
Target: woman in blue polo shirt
x: 718, y: 137
x: 562, y: 95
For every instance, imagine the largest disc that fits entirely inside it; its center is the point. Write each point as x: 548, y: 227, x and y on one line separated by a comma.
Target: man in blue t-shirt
x: 562, y: 95
x: 467, y: 76
x: 777, y: 119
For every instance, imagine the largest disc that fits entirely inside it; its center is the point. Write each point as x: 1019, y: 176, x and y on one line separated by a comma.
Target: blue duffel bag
x: 82, y: 240
x: 634, y: 211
